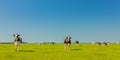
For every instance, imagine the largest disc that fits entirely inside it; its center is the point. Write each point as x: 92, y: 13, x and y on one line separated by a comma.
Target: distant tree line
x: 12, y: 42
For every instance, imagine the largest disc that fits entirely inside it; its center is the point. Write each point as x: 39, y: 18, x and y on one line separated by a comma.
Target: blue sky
x: 52, y: 20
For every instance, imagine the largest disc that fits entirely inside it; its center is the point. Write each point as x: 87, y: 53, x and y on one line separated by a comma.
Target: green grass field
x: 57, y: 52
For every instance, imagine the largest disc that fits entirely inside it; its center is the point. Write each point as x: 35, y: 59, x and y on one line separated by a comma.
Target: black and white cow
x: 98, y: 43
x: 105, y: 43
x: 76, y: 42
x: 17, y: 41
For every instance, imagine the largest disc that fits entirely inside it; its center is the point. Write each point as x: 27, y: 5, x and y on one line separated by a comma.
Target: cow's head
x: 16, y: 35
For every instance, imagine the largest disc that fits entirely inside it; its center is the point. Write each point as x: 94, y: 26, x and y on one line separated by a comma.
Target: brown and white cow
x: 67, y: 42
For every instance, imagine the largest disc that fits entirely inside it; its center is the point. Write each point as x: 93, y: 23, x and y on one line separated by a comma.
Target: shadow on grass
x: 75, y: 49
x: 9, y: 56
x: 27, y: 51
x: 99, y: 54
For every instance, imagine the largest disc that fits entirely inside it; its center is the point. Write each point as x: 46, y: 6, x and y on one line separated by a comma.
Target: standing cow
x: 67, y: 42
x: 17, y: 41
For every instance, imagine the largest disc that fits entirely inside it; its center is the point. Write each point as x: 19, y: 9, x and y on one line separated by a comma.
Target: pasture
x: 57, y: 52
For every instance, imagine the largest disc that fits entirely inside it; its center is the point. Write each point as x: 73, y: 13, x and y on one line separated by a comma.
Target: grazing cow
x: 105, y: 43
x: 53, y: 43
x: 17, y: 41
x: 67, y: 42
x: 98, y: 43
x: 77, y: 42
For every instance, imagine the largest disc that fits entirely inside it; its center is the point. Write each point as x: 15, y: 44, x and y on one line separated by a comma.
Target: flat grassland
x: 57, y: 52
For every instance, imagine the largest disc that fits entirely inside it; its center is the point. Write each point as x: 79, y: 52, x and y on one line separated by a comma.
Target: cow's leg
x: 18, y: 45
x: 68, y: 45
x: 65, y: 46
x: 15, y: 46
